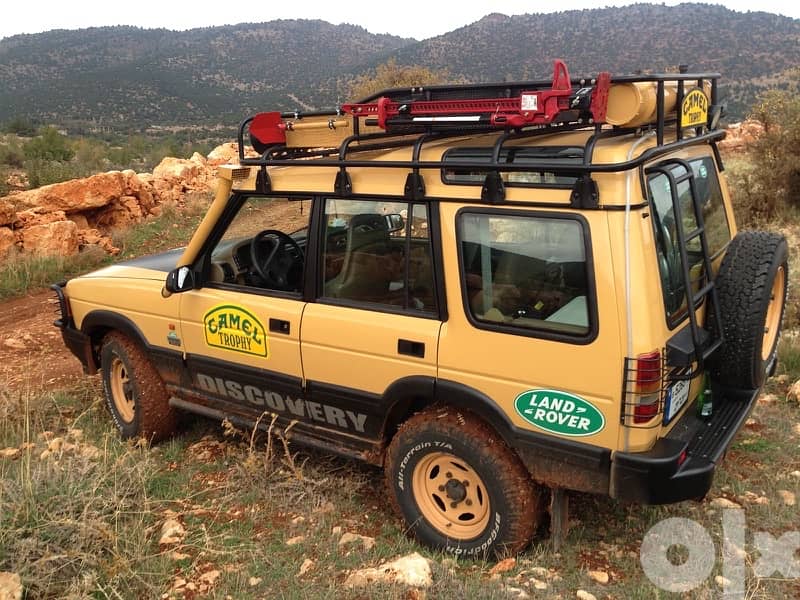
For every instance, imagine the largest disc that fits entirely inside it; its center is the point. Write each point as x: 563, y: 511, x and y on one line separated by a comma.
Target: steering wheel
x: 275, y: 266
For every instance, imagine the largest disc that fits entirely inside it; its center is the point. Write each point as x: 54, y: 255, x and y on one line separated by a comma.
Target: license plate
x: 677, y: 395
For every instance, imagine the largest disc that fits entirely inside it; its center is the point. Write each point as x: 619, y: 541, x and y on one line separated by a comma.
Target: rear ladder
x: 693, y: 344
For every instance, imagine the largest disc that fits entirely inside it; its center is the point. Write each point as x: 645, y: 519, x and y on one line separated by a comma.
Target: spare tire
x: 751, y: 287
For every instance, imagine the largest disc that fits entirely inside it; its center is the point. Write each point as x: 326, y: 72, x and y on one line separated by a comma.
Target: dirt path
x: 32, y: 354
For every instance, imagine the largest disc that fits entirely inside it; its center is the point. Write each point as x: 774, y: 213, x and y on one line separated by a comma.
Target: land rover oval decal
x: 559, y: 412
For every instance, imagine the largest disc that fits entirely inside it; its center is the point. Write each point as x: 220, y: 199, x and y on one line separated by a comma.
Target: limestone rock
x: 226, y: 153
x: 741, y: 135
x: 7, y: 212
x: 92, y: 237
x: 350, y: 538
x: 51, y: 239
x: 305, y: 567
x: 75, y: 195
x: 584, y: 595
x: 794, y: 392
x: 599, y: 576
x: 172, y: 532
x: 176, y: 168
x: 10, y: 586
x: 724, y: 503
x: 7, y: 243
x: 412, y: 570
x: 787, y: 497
x: 34, y: 216
x: 80, y: 220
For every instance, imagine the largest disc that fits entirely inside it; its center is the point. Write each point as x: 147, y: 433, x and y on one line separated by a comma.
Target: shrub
x: 48, y: 145
x: 391, y: 75
x: 767, y: 183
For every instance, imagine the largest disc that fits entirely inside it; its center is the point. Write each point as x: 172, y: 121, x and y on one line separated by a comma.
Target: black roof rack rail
x: 682, y: 106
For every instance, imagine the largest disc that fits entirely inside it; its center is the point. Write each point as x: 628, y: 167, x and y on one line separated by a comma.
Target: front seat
x: 364, y: 276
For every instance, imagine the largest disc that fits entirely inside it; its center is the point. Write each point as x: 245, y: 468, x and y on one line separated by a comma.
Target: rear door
x: 524, y: 326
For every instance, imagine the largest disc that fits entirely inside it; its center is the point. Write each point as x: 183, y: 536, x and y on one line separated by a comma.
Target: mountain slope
x: 128, y: 78
x: 123, y: 74
x: 743, y: 47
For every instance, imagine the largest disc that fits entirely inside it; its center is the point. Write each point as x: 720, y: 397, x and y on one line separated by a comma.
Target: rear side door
x: 376, y: 320
x: 524, y: 327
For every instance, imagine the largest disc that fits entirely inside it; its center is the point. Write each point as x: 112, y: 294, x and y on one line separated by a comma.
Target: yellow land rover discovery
x: 490, y: 290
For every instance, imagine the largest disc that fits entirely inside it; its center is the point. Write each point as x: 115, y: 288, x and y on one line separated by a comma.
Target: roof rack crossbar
x: 554, y: 167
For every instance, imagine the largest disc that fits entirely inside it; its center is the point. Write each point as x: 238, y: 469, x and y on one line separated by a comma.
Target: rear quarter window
x: 525, y: 274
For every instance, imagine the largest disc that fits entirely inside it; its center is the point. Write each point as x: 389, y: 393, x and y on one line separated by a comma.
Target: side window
x: 378, y: 253
x: 718, y: 232
x: 525, y: 272
x: 263, y: 246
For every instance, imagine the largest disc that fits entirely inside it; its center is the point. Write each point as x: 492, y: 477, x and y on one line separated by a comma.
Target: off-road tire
x: 506, y: 504
x: 751, y: 287
x: 134, y: 391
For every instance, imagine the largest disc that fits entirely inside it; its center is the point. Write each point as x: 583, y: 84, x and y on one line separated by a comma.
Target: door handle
x: 411, y: 348
x: 279, y: 326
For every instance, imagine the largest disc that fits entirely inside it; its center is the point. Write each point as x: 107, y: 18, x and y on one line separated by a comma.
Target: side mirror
x: 178, y: 280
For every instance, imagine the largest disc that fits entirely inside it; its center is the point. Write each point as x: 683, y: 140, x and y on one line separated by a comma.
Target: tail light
x: 647, y: 387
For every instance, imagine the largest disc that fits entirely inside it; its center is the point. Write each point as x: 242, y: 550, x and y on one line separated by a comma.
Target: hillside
x: 748, y: 49
x: 118, y: 76
x: 127, y: 78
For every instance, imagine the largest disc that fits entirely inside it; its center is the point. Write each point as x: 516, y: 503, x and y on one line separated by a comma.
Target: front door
x: 241, y: 329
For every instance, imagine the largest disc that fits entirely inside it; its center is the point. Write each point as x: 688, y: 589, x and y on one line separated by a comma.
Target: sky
x: 409, y: 18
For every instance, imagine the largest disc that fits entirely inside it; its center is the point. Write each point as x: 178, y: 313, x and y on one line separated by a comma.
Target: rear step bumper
x: 658, y: 476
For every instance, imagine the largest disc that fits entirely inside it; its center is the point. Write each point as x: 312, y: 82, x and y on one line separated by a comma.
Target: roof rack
x: 683, y: 105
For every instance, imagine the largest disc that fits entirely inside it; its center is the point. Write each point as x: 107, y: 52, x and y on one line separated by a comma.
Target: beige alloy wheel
x: 122, y: 390
x: 134, y: 392
x: 774, y: 312
x: 451, y: 496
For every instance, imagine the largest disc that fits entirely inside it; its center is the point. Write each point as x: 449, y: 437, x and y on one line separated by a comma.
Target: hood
x: 164, y: 261
x: 154, y: 266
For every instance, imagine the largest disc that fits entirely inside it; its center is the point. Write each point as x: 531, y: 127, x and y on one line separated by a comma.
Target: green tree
x: 91, y: 156
x: 20, y: 126
x: 11, y: 153
x: 49, y: 145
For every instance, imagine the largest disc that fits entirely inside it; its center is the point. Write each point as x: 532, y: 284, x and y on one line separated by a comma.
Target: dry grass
x: 81, y: 514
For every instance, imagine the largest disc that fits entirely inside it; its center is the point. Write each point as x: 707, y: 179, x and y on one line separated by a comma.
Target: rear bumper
x: 659, y: 477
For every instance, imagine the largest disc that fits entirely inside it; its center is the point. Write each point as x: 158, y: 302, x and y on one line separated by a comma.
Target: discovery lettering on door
x: 283, y: 404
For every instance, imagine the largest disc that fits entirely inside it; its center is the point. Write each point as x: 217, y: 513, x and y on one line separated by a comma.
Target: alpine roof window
x: 536, y: 177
